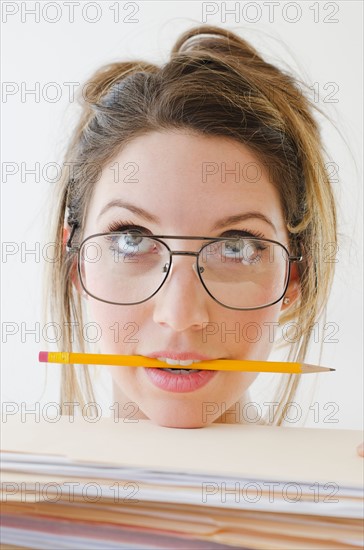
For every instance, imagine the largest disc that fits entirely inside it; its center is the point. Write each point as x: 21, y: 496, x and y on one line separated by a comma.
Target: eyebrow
x: 229, y: 220
x: 223, y: 222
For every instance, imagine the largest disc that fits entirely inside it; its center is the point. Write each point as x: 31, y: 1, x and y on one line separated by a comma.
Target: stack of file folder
x: 112, y: 483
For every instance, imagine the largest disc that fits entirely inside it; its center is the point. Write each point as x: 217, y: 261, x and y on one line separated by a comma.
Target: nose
x: 181, y: 303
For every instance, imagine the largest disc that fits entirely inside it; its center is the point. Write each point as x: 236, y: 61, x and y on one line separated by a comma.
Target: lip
x: 179, y: 383
x: 182, y: 356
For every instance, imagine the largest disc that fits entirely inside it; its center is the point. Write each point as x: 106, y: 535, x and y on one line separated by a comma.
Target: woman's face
x: 184, y: 185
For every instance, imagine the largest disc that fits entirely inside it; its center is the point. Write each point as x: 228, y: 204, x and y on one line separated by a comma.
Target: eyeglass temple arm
x: 295, y: 258
x: 69, y: 246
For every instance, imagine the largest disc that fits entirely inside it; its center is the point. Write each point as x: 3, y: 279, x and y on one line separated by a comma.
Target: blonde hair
x: 215, y: 83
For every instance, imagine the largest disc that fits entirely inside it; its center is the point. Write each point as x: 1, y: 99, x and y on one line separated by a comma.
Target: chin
x: 168, y: 421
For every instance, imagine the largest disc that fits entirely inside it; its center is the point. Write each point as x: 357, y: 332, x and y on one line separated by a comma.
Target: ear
x: 293, y: 291
x: 74, y: 271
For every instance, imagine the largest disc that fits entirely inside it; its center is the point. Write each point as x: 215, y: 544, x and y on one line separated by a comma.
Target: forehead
x: 182, y: 177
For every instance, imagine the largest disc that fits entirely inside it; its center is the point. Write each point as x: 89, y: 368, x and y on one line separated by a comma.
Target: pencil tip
x: 332, y: 369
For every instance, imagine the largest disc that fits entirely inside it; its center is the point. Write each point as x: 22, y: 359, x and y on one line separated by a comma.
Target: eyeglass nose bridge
x: 182, y: 253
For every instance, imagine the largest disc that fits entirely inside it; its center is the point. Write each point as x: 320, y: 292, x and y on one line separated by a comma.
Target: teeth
x: 181, y: 371
x: 185, y: 363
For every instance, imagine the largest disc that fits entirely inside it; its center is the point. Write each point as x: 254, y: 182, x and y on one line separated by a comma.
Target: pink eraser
x: 43, y: 356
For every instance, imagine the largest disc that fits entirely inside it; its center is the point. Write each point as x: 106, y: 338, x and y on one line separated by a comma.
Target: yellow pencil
x: 141, y: 361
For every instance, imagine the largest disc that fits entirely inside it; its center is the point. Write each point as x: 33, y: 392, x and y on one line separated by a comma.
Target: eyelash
x: 122, y: 225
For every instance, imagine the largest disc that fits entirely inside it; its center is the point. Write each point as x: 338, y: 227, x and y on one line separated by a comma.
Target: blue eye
x: 244, y: 251
x: 132, y: 244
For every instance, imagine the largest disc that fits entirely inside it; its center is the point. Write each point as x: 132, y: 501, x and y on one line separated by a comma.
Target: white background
x: 319, y: 51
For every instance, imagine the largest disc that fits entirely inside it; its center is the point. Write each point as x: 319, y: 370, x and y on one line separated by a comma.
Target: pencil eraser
x: 43, y: 356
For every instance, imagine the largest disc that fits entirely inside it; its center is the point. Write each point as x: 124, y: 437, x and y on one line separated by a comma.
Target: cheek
x: 266, y: 320
x: 118, y: 326
x: 266, y: 323
x: 234, y: 384
x: 248, y: 334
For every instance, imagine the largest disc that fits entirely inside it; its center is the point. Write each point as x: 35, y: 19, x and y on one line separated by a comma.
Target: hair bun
x: 215, y: 39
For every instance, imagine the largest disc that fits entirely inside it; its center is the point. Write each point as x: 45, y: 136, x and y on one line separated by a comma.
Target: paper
x: 192, y: 488
x: 225, y: 449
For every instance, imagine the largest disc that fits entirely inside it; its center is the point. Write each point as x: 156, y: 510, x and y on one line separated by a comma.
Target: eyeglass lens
x: 239, y: 273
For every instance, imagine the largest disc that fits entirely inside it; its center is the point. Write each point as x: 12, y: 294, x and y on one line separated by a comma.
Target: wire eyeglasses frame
x: 76, y: 248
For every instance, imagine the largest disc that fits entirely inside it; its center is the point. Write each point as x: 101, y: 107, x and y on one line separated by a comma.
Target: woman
x: 218, y: 145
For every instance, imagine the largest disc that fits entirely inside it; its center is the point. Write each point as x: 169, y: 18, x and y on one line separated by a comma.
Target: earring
x: 286, y: 301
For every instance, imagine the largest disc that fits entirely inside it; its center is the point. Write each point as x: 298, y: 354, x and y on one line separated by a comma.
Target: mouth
x: 178, y: 378
x: 179, y: 363
x: 181, y: 371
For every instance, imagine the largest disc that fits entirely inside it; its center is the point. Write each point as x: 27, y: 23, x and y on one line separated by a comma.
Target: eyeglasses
x: 129, y: 268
